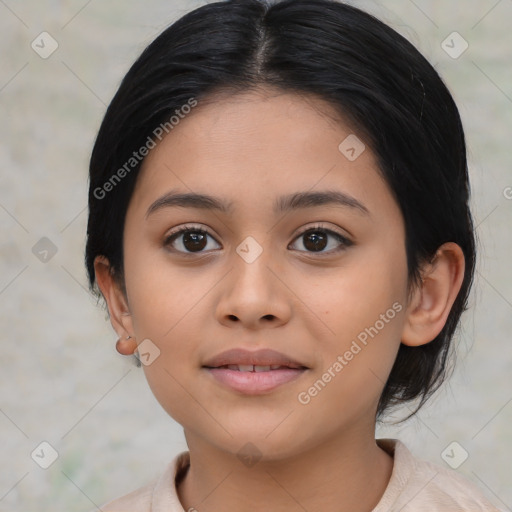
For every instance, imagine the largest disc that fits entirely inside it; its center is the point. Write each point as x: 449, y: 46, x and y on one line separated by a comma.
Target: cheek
x: 363, y: 306
x: 165, y: 302
x: 355, y: 361
x: 166, y: 308
x: 161, y: 293
x: 353, y: 296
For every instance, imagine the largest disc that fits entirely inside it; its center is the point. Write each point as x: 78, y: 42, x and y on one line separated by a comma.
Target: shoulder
x: 158, y: 495
x: 417, y: 485
x: 447, y: 490
x: 136, y: 501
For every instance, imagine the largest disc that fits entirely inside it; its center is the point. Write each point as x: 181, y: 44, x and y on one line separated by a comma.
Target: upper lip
x: 262, y: 357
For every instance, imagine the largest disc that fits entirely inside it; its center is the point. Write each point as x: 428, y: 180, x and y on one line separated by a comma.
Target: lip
x: 261, y: 357
x: 255, y: 383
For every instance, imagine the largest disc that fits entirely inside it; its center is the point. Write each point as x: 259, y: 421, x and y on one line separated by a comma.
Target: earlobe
x: 119, y: 311
x: 432, y: 301
x: 126, y: 346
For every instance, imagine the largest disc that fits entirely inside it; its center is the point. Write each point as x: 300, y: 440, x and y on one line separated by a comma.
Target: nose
x: 253, y: 294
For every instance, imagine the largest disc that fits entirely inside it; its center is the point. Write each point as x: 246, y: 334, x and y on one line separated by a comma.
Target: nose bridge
x: 251, y: 266
x: 253, y: 292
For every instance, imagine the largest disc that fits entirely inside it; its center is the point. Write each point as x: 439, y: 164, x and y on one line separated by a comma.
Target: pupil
x: 318, y: 241
x: 196, y: 240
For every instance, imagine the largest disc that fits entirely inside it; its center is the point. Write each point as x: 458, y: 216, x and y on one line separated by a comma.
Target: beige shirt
x: 415, y: 486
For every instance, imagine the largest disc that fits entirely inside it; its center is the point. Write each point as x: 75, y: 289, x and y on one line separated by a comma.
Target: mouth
x: 261, y: 360
x: 253, y: 372
x: 254, y: 380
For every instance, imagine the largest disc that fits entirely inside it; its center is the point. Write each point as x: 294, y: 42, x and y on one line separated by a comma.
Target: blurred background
x: 62, y: 382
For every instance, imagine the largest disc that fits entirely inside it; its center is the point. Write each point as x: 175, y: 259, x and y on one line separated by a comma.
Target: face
x: 322, y: 281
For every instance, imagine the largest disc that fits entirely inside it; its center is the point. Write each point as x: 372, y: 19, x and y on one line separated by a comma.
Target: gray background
x: 62, y: 380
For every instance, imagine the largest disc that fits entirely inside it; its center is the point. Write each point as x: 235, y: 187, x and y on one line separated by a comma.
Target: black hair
x: 371, y: 75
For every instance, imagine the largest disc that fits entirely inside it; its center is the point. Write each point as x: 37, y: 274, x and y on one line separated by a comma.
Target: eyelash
x: 345, y: 242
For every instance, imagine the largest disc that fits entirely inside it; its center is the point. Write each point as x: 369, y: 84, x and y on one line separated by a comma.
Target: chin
x: 253, y: 445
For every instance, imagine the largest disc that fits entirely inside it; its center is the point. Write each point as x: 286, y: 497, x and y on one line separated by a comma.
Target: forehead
x: 256, y: 146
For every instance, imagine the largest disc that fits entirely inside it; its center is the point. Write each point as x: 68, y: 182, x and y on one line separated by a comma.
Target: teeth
x: 261, y: 368
x: 245, y: 367
x: 254, y: 368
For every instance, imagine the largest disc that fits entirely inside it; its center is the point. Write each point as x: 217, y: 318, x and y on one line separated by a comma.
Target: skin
x: 250, y: 149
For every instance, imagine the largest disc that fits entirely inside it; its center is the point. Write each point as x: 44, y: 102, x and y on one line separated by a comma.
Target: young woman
x: 279, y: 225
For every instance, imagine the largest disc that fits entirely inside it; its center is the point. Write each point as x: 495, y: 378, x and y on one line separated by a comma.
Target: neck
x: 348, y: 473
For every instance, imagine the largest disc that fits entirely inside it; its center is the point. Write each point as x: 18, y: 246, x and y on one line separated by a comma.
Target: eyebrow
x: 284, y: 204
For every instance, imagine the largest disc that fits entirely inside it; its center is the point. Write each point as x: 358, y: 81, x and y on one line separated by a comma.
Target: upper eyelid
x: 187, y: 227
x: 319, y: 226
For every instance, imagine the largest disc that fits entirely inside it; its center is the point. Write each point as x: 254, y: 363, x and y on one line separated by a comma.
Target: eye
x: 316, y: 239
x: 188, y: 240
x: 194, y: 239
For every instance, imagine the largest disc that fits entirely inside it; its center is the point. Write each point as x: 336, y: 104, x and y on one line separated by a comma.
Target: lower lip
x: 254, y: 383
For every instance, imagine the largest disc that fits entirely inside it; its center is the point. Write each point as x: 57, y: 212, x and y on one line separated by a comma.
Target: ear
x: 432, y: 301
x: 119, y: 311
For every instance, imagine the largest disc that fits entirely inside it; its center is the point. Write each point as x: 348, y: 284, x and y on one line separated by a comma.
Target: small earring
x: 126, y: 347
